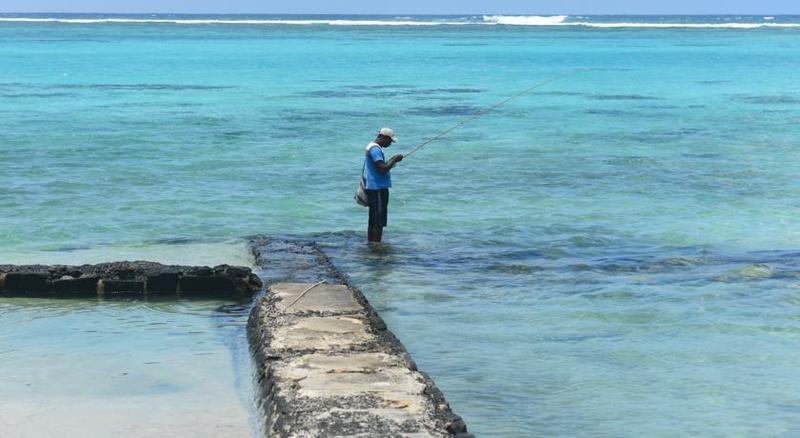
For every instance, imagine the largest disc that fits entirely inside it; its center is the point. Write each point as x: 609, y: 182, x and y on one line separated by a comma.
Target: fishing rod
x: 486, y: 111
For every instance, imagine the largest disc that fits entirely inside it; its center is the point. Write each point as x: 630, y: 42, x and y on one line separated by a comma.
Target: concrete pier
x: 330, y: 368
x: 326, y: 363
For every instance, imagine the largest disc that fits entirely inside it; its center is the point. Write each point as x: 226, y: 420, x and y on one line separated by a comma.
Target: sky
x: 519, y: 7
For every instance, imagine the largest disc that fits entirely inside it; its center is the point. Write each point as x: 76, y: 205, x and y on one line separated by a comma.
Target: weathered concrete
x: 325, y: 298
x: 327, y: 365
x: 128, y: 278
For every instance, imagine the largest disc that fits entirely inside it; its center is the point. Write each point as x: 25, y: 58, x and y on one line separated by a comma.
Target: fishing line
x: 302, y: 294
x: 488, y: 110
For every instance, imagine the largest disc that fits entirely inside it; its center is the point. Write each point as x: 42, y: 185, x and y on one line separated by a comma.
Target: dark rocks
x: 30, y: 282
x: 129, y: 278
x: 457, y: 425
x: 237, y: 271
x: 165, y: 282
x: 123, y: 286
x: 205, y: 284
x: 255, y: 282
x: 202, y: 271
x: 81, y: 286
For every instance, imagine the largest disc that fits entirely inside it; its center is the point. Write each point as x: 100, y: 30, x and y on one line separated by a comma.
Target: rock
x: 166, y: 282
x: 27, y: 282
x: 123, y: 286
x: 202, y: 271
x: 255, y: 281
x: 127, y: 274
x: 69, y: 285
x: 206, y: 285
x: 224, y: 281
x: 238, y: 271
x: 457, y: 426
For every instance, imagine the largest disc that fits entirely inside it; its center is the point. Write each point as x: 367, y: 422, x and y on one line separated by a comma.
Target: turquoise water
x: 614, y: 254
x: 94, y: 368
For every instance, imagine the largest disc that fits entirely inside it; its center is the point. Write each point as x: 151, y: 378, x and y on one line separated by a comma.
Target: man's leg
x: 383, y: 216
x: 374, y: 233
x: 374, y: 228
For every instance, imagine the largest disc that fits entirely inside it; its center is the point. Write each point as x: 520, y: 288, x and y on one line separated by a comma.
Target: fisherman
x: 378, y: 181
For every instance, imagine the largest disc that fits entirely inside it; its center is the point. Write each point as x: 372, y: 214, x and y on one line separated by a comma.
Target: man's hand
x: 385, y: 167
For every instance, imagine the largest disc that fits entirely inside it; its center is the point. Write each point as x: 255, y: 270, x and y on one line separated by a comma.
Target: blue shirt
x: 375, y: 179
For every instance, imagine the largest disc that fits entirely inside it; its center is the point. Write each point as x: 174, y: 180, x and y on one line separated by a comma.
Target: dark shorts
x: 378, y: 207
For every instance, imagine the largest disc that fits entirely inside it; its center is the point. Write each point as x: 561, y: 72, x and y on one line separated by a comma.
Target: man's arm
x: 386, y: 167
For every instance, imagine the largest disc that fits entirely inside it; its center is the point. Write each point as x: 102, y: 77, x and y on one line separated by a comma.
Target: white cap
x: 388, y: 132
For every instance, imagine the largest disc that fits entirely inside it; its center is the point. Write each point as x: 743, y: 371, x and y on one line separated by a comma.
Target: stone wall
x: 128, y: 279
x: 326, y: 363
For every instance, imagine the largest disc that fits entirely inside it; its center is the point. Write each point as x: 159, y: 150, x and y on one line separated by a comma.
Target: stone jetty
x: 327, y: 364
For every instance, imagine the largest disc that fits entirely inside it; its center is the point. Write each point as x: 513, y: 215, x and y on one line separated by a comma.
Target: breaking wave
x: 491, y: 20
x: 564, y: 20
x: 688, y: 25
x: 525, y: 20
x: 336, y: 22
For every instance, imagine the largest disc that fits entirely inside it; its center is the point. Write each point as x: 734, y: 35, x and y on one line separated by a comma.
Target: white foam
x: 243, y: 21
x: 561, y: 20
x: 493, y: 20
x: 525, y: 20
x: 689, y: 25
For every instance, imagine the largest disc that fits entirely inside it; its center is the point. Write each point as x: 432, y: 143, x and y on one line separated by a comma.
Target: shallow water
x: 615, y: 254
x: 96, y: 368
x: 666, y: 342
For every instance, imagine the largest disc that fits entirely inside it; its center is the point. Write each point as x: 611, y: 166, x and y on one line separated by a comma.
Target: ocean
x: 616, y: 253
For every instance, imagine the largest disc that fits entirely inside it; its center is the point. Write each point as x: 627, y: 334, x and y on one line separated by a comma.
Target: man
x: 378, y: 182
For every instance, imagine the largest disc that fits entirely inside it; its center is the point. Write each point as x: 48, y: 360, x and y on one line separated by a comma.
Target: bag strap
x: 366, y: 156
